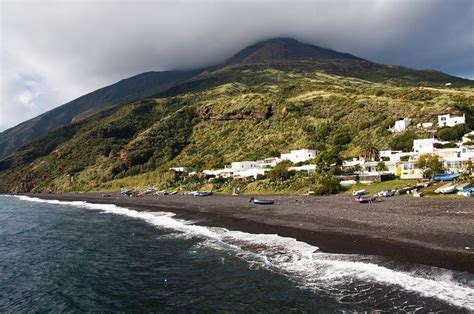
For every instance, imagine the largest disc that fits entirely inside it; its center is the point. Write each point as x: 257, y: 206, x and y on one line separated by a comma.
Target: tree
x: 468, y: 170
x: 370, y: 152
x: 452, y: 134
x: 447, y: 134
x: 328, y: 157
x: 341, y: 138
x: 381, y: 166
x: 280, y: 172
x: 325, y: 183
x: 430, y: 164
x: 403, y: 142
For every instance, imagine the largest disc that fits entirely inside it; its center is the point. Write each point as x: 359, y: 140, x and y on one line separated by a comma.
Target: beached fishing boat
x: 262, y: 202
x: 463, y: 186
x: 366, y: 199
x: 388, y: 193
x: 359, y: 192
x: 447, y: 189
x: 126, y: 192
x: 204, y: 193
x: 467, y: 192
x: 148, y: 191
x: 446, y: 176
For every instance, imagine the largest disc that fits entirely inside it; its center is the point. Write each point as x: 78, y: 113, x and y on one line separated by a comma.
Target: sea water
x: 76, y: 256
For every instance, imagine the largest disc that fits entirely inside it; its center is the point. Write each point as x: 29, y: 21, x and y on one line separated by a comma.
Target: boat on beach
x: 148, y: 191
x: 446, y: 176
x: 366, y: 199
x: 204, y: 193
x: 446, y: 189
x: 388, y: 193
x: 468, y: 191
x: 261, y: 202
x: 126, y: 191
x: 359, y: 192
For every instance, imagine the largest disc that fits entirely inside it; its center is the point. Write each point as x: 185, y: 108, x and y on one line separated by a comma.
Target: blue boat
x: 446, y: 176
x: 467, y: 192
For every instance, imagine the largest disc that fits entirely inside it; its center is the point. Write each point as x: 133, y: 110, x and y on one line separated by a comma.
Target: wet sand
x: 432, y: 231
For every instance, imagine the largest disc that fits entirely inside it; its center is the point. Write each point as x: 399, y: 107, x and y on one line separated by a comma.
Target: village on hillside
x: 454, y: 159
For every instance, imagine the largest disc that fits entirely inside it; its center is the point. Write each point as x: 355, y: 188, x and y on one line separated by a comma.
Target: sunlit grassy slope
x: 234, y: 113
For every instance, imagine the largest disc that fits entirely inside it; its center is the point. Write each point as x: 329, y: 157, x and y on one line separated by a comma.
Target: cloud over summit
x: 55, y: 51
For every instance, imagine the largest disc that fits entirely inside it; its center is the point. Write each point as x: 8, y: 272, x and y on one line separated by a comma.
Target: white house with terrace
x: 400, y: 126
x: 299, y: 155
x: 450, y: 121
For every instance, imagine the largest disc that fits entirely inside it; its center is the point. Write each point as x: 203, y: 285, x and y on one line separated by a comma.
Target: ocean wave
x: 349, y: 276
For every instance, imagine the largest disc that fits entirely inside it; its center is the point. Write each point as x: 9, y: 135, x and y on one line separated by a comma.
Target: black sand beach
x: 432, y: 231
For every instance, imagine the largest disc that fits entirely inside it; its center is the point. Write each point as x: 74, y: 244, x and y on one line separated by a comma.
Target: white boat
x: 148, y: 191
x: 366, y: 199
x: 261, y: 202
x: 388, y: 193
x: 126, y: 192
x: 348, y: 182
x: 359, y: 192
x: 205, y: 193
x: 447, y: 189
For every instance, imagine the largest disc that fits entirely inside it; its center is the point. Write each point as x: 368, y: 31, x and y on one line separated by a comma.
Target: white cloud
x: 70, y: 48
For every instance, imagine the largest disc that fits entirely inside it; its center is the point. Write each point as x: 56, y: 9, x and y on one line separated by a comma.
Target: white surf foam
x: 299, y: 260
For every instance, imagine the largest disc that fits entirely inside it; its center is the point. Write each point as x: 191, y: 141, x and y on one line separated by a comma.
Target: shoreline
x: 421, y: 231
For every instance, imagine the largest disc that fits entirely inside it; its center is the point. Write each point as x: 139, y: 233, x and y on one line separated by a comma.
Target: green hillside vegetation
x: 232, y: 114
x: 127, y: 90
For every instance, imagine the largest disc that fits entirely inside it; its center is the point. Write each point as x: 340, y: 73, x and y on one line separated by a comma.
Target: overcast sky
x: 53, y: 52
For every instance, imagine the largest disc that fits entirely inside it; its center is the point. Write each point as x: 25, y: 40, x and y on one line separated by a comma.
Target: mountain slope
x: 234, y: 113
x: 250, y: 108
x: 285, y: 49
x: 122, y: 92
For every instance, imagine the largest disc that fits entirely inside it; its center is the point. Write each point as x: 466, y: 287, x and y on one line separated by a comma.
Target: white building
x: 400, y: 126
x: 254, y: 172
x: 391, y: 154
x: 238, y: 169
x: 450, y: 121
x: 268, y: 162
x: 456, y: 159
x: 299, y: 155
x: 225, y: 173
x: 307, y: 168
x: 426, y: 145
x: 179, y: 169
x: 243, y: 165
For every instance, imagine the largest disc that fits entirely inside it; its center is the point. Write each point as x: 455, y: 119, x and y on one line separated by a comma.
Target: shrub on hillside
x: 326, y: 183
x: 403, y: 142
x: 341, y: 138
x: 280, y: 172
x: 452, y: 134
x: 329, y: 157
x: 450, y: 145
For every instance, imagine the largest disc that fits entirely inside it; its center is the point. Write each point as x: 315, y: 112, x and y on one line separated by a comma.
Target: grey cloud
x: 76, y: 47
